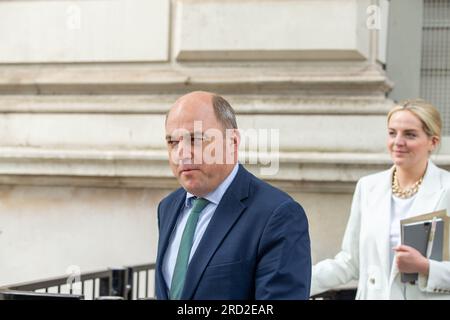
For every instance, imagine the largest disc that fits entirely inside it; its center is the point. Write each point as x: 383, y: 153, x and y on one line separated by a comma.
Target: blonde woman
x: 371, y: 250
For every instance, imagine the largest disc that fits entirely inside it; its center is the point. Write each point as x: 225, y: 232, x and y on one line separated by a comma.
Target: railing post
x: 129, y: 288
x: 104, y: 289
x: 118, y: 282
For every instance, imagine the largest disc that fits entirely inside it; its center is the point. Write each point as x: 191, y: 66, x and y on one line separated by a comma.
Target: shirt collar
x: 216, y: 195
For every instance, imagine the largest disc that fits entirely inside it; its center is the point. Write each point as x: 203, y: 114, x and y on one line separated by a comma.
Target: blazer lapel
x: 173, y: 211
x: 426, y: 200
x: 381, y: 201
x: 227, y: 213
x: 429, y: 193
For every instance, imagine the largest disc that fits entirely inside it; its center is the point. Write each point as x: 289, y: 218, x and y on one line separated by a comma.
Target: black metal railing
x: 142, y: 289
x: 115, y: 283
x: 127, y: 283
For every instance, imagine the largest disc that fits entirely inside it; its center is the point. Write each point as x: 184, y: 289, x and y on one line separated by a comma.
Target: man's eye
x: 196, y: 140
x: 392, y: 133
x: 172, y: 143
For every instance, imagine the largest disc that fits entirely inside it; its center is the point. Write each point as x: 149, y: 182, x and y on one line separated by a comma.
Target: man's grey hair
x: 224, y: 112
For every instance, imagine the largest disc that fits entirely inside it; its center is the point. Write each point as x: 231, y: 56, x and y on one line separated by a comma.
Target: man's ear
x: 236, y: 137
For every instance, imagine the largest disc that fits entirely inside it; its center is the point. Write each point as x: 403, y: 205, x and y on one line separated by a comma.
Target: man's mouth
x: 186, y: 169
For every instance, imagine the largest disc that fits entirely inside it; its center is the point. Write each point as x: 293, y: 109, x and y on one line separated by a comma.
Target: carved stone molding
x: 312, y: 172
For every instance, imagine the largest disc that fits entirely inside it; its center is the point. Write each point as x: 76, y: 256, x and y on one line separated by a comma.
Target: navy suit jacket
x: 256, y: 245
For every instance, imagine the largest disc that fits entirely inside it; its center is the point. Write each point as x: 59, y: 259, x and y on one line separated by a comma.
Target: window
x: 435, y: 64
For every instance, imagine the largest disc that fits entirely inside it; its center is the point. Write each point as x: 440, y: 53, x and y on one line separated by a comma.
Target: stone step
x: 135, y: 79
x: 141, y: 168
x: 159, y: 104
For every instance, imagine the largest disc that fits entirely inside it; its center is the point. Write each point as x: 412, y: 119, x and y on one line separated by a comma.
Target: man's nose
x: 184, y: 149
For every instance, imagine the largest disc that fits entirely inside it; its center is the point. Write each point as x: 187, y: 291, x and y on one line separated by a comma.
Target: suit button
x: 372, y: 280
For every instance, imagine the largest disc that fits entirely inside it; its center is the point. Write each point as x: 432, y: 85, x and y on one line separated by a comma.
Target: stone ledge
x: 310, y: 172
x: 270, y: 55
x: 134, y: 79
x: 160, y: 104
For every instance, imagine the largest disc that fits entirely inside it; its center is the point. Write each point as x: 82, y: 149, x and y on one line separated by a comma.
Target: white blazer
x: 365, y: 253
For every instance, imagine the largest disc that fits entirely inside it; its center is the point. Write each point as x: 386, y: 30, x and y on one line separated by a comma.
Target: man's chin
x: 189, y: 177
x: 195, y: 191
x: 193, y: 187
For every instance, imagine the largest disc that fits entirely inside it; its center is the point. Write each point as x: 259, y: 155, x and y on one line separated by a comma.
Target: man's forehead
x: 191, y: 108
x: 190, y: 126
x: 192, y: 122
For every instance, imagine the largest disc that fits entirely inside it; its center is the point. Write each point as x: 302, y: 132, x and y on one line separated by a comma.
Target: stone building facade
x: 85, y: 85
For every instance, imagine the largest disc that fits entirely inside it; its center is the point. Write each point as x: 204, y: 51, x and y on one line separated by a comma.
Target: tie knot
x: 199, y: 204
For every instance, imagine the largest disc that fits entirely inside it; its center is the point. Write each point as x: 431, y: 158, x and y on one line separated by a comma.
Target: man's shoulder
x: 266, y: 192
x: 174, y: 195
x: 268, y: 202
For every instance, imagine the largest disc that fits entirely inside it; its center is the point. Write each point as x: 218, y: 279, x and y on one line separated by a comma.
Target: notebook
x: 415, y: 232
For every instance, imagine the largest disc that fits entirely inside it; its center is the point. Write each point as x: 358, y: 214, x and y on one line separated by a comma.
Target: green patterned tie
x: 184, y: 251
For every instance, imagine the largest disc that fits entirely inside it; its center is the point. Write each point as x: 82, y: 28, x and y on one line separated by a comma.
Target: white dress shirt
x: 214, y: 198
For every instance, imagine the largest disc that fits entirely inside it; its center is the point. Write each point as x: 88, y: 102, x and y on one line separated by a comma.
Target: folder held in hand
x: 428, y: 234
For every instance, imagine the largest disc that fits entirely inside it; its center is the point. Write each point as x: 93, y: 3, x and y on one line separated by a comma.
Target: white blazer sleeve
x: 331, y: 273
x: 438, y: 280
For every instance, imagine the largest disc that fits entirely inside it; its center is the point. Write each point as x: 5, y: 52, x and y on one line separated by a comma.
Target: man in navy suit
x: 225, y: 234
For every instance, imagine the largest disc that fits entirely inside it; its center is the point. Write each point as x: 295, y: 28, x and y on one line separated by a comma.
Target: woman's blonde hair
x: 425, y: 111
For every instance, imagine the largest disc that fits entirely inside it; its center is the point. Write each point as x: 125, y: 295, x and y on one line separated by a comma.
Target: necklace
x: 404, y: 193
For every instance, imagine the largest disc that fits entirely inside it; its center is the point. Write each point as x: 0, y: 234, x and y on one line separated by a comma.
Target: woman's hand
x: 409, y: 260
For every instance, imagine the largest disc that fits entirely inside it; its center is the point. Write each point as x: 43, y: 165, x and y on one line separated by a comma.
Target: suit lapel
x: 227, y: 213
x: 173, y: 213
